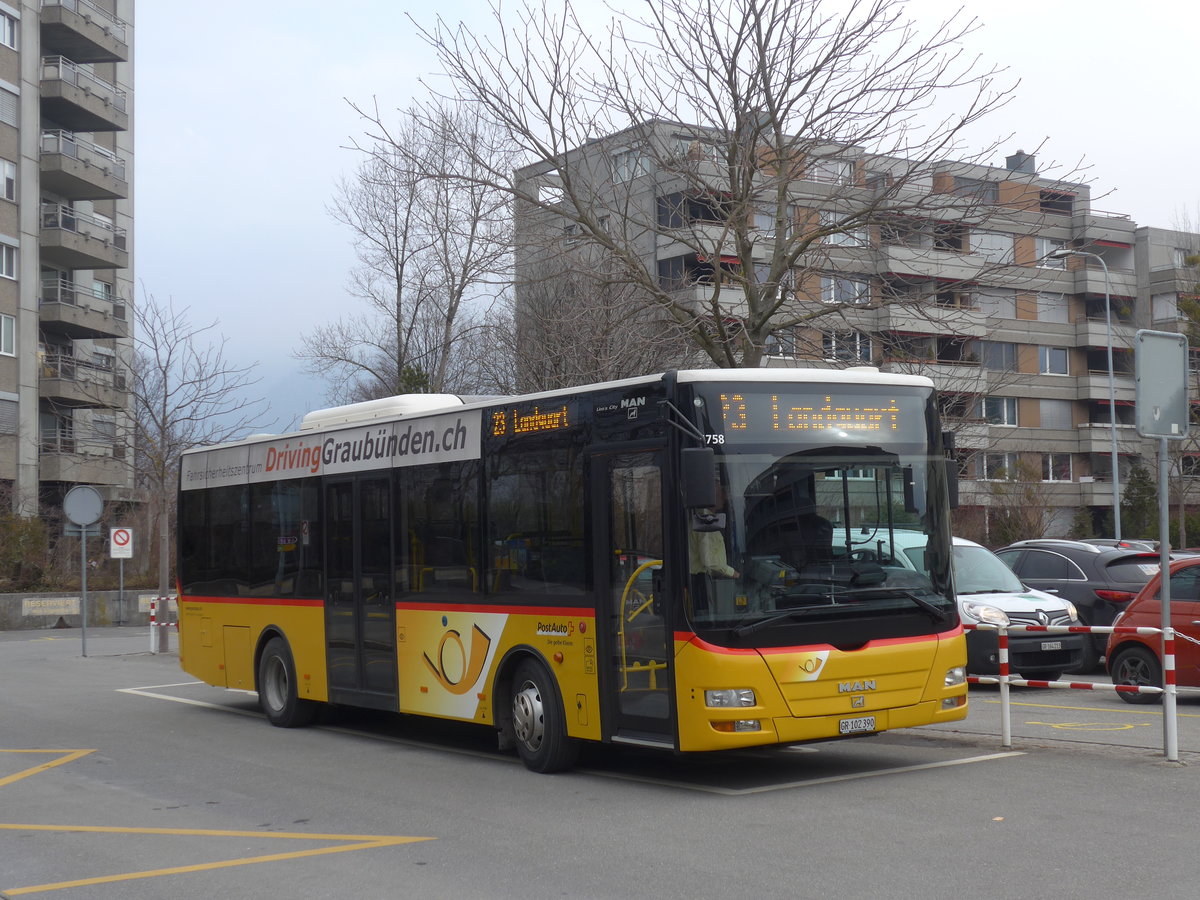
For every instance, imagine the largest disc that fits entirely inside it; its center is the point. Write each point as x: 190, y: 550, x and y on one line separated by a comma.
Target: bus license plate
x: 1051, y: 645
x: 856, y: 726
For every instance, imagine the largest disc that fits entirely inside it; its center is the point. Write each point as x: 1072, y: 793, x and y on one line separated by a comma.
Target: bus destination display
x: 515, y: 421
x: 766, y: 413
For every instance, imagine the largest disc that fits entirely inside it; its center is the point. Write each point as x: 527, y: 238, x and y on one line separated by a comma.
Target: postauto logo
x: 465, y: 666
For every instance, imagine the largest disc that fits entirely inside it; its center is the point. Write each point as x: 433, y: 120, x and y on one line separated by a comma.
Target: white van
x: 988, y: 592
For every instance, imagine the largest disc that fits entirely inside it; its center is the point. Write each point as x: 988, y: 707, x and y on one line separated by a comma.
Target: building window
x: 8, y: 261
x: 1052, y: 308
x: 1052, y: 360
x: 1046, y: 246
x: 1056, y: 202
x: 1180, y: 257
x: 8, y: 30
x: 8, y: 416
x: 1056, y: 467
x: 852, y: 236
x: 999, y: 356
x: 998, y: 466
x: 848, y: 346
x: 8, y: 336
x: 998, y: 410
x: 838, y: 289
x: 835, y: 171
x: 679, y: 209
x: 10, y: 105
x: 629, y: 164
x: 994, y: 246
x: 8, y: 170
x: 976, y: 189
x: 1056, y: 414
x: 998, y: 302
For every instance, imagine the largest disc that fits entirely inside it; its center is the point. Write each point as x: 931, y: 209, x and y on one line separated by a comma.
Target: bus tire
x: 277, y: 688
x: 538, y: 721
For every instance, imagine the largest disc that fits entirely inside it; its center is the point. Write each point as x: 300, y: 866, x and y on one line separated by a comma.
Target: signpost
x: 83, y: 505
x: 120, y: 547
x: 1161, y: 411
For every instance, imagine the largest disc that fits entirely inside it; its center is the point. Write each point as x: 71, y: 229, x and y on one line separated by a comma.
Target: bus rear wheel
x: 277, y: 688
x: 538, y: 721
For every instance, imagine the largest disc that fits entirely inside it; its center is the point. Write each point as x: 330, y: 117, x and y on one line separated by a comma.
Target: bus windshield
x: 803, y: 527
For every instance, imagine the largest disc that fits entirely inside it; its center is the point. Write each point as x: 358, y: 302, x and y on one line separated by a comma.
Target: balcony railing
x: 62, y: 69
x: 63, y: 290
x: 68, y: 144
x: 69, y: 368
x: 68, y: 219
x: 102, y: 17
x: 65, y: 440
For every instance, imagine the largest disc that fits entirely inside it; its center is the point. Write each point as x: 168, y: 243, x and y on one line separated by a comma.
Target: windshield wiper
x: 751, y: 627
x: 984, y: 591
x: 936, y: 611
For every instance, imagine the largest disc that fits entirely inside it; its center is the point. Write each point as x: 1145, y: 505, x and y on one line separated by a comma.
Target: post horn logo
x: 471, y: 664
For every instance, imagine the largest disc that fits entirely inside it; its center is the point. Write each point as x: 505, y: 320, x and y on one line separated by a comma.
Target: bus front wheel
x: 277, y: 687
x: 538, y: 721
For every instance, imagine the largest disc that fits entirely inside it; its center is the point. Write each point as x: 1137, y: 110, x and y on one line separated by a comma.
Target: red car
x: 1137, y: 658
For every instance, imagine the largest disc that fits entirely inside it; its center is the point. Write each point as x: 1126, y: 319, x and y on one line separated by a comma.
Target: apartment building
x: 66, y: 248
x: 1002, y: 285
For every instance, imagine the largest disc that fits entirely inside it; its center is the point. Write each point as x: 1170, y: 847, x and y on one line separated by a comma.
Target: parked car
x: 1100, y: 581
x: 990, y: 593
x: 1123, y: 543
x: 1136, y: 658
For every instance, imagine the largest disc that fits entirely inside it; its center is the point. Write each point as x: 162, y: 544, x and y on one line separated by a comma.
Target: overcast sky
x: 242, y: 129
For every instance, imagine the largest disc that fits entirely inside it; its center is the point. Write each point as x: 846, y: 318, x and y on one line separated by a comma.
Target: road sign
x: 83, y: 504
x: 120, y: 543
x: 1161, y: 370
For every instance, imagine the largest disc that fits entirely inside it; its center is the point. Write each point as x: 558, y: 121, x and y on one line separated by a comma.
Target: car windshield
x: 978, y: 571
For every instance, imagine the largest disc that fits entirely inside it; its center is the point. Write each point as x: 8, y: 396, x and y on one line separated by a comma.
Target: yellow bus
x: 683, y: 561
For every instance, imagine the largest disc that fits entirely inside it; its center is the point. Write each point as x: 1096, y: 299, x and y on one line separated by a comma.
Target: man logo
x: 471, y: 667
x: 856, y: 702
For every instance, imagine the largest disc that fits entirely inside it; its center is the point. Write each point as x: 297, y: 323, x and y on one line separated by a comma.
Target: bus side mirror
x: 698, y: 470
x: 951, y: 467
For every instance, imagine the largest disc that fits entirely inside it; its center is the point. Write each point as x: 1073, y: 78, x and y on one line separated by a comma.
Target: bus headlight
x: 731, y: 697
x: 989, y: 615
x: 957, y: 675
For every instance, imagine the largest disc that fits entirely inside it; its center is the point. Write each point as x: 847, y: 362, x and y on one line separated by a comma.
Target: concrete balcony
x: 929, y: 318
x: 1094, y: 386
x: 83, y: 31
x: 1094, y: 333
x: 63, y: 457
x: 1089, y: 226
x: 80, y: 170
x: 65, y: 307
x: 1094, y: 437
x: 78, y: 100
x: 68, y: 381
x: 75, y: 240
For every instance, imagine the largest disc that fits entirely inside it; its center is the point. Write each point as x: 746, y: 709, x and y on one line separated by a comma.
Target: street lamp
x: 1112, y: 388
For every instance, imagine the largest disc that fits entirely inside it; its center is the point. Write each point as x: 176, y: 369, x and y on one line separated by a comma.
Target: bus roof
x: 404, y: 405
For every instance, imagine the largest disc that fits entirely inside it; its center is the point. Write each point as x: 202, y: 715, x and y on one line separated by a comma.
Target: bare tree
x: 186, y: 392
x: 430, y: 254
x: 778, y: 91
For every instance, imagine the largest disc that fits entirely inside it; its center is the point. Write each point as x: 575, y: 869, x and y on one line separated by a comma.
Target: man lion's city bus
x: 692, y: 561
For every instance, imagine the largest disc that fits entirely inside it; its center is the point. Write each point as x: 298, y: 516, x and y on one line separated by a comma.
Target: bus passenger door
x: 637, y: 678
x: 360, y: 609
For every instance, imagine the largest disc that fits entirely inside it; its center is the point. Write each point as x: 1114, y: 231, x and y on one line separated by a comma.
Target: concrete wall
x: 63, y: 610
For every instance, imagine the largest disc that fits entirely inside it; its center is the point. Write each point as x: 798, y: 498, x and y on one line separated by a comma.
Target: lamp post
x: 1112, y: 388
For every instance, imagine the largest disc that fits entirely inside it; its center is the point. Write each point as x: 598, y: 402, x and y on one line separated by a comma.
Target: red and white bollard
x: 158, y: 634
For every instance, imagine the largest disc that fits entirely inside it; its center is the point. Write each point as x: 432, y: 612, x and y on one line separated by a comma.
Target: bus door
x: 632, y: 616
x: 360, y: 608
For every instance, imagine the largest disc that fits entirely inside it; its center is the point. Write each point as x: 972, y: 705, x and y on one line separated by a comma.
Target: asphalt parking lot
x: 122, y: 778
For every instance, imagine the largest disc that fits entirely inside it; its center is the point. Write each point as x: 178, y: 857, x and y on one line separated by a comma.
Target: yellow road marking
x: 70, y: 756
x: 351, y: 841
x: 357, y: 842
x: 1104, y: 709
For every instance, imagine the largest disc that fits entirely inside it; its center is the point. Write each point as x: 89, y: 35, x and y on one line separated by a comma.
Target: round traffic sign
x: 83, y: 504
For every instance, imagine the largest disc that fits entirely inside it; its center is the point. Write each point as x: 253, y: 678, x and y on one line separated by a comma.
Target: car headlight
x: 1071, y: 609
x: 730, y: 697
x: 988, y: 615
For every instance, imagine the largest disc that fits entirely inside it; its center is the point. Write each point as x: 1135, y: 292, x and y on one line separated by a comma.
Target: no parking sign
x: 120, y: 543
